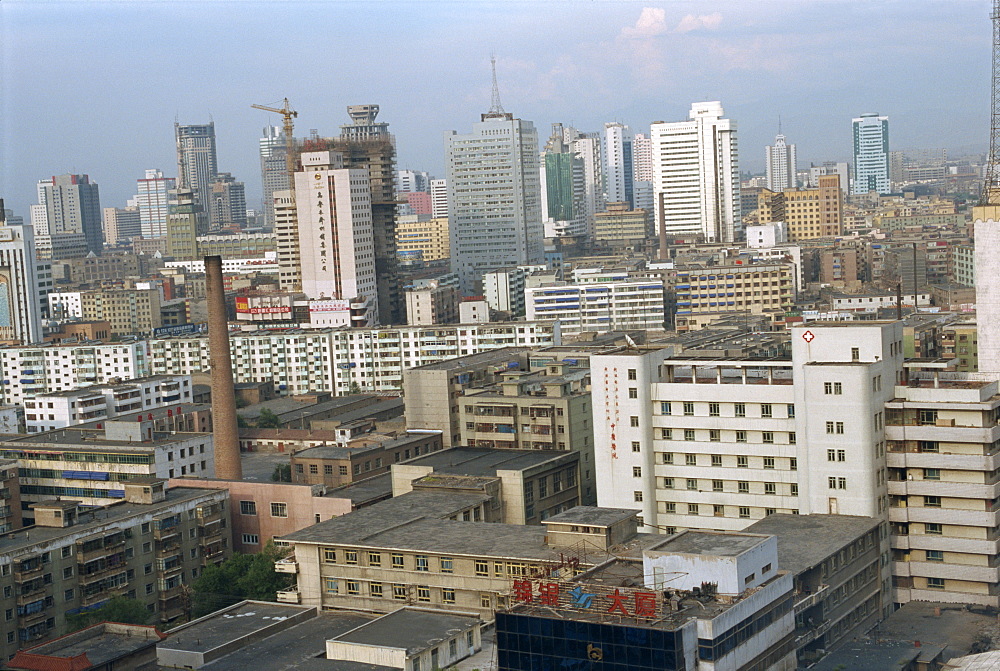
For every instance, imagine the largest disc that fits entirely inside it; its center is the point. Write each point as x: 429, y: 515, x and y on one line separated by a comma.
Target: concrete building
x: 683, y: 450
x: 146, y: 547
x: 563, y: 185
x: 696, y: 181
x: 422, y: 238
x: 807, y: 213
x: 494, y: 198
x: 237, y: 245
x: 186, y: 221
x: 273, y: 168
x: 780, y: 164
x: 841, y: 267
x: 153, y: 198
x: 121, y: 224
x: 22, y: 287
x: 599, y: 307
x: 960, y: 341
x: 619, y: 227
x: 286, y: 237
x: 227, y: 202
x: 435, y: 303
x: 128, y: 647
x: 871, y: 154
x: 589, y: 148
x: 619, y: 173
x: 439, y: 198
x: 10, y: 497
x: 197, y: 164
x: 73, y: 208
x: 757, y: 288
x: 359, y: 459
x: 129, y: 311
x: 504, y: 290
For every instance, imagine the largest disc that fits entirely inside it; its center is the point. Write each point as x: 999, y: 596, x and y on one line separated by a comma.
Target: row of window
x: 715, y: 436
x: 718, y: 460
x: 277, y: 509
x: 742, y: 486
x: 718, y: 510
x: 739, y: 409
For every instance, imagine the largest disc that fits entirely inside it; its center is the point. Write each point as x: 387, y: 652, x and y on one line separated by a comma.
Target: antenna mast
x: 991, y: 187
x: 496, y: 108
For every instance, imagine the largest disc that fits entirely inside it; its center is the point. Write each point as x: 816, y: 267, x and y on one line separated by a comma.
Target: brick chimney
x: 225, y: 432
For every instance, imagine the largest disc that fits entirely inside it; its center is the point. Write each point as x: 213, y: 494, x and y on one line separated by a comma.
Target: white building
x: 696, y: 177
x: 152, y: 196
x: 439, y: 198
x: 618, y: 165
x: 410, y: 181
x: 871, y: 154
x: 335, y: 231
x: 642, y: 158
x: 715, y: 443
x: 494, y: 198
x: 263, y: 264
x: 599, y: 306
x: 65, y: 305
x: 121, y: 224
x: 56, y: 410
x: 504, y: 290
x: 21, y: 293
x: 780, y: 159
x: 766, y: 235
x: 588, y: 147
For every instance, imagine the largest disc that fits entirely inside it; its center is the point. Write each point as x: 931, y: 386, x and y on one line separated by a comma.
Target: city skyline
x: 630, y: 62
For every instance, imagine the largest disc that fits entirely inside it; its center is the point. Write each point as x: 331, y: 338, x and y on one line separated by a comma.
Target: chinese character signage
x: 589, y: 598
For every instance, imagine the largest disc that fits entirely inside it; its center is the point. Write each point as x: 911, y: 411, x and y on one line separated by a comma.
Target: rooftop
x: 221, y: 627
x: 497, y: 356
x: 484, y: 461
x: 414, y: 629
x: 718, y: 544
x: 804, y: 541
x: 365, y: 492
x: 592, y: 516
x: 95, y: 646
x: 84, y: 439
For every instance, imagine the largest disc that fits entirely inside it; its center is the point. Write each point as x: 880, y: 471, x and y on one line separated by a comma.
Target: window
x: 633, y: 421
x: 423, y: 593
x: 447, y: 565
x: 635, y: 446
x: 397, y: 560
x: 768, y: 462
x: 935, y: 555
x: 692, y: 509
x: 743, y: 487
x: 744, y: 512
x: 669, y: 507
x: 927, y: 446
x: 637, y: 471
x: 932, y: 502
x: 740, y: 409
x: 719, y: 510
x: 637, y: 496
x: 692, y: 484
x: 716, y: 485
x: 353, y: 587
x: 932, y: 474
x: 328, y: 469
x: 668, y: 483
x: 331, y: 586
x: 689, y: 434
x: 631, y: 373
x: 482, y: 567
x: 688, y: 408
x: 742, y: 461
x: 770, y: 488
x: 664, y: 407
x: 717, y: 460
x: 741, y: 436
x: 765, y: 410
x: 935, y: 583
x: 279, y: 510
x: 485, y: 601
x: 342, y: 470
x: 633, y: 392
x: 855, y: 354
x: 793, y: 489
x: 713, y: 410
x: 667, y: 434
x: 330, y: 555
x: 790, y: 409
x: 691, y: 459
x: 835, y: 388
x: 423, y: 563
x: 251, y: 539
x: 932, y: 528
x: 448, y: 596
x: 299, y: 469
x: 668, y: 457
x: 351, y: 557
x: 927, y: 417
x: 399, y: 592
x: 248, y: 507
x: 767, y: 437
x: 313, y: 469
x: 374, y: 558
x: 791, y: 438
x: 375, y: 590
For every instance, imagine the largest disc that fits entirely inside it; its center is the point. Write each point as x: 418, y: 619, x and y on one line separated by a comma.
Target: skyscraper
x: 152, y: 196
x: 197, y: 164
x: 228, y: 202
x: 186, y: 220
x: 562, y: 184
x: 439, y: 198
x: 494, y: 197
x: 336, y: 232
x: 871, y: 154
x: 642, y: 157
x: 618, y: 169
x: 588, y: 147
x: 409, y: 181
x: 121, y: 224
x: 780, y: 159
x: 73, y: 208
x: 696, y: 184
x: 273, y: 168
x: 20, y: 297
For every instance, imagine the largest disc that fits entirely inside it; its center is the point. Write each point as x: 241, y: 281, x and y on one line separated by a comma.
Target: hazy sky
x: 94, y: 87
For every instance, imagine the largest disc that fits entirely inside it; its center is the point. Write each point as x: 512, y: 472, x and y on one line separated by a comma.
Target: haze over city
x: 92, y: 87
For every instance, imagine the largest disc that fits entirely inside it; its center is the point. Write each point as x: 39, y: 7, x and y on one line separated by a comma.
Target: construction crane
x: 288, y: 113
x: 991, y: 186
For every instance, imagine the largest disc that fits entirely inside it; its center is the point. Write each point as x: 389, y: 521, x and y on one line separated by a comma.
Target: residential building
x: 236, y: 245
x: 145, y: 547
x: 964, y: 265
x: 871, y: 154
x: 128, y: 647
x: 756, y: 288
x: 153, y: 200
x: 129, y: 311
x: 359, y: 459
x: 696, y: 181
x: 961, y: 341
x: 286, y: 240
x: 23, y: 289
x: 619, y: 173
x: 227, y: 202
x: 684, y: 451
x: 273, y: 168
x: 841, y: 169
x: 434, y: 303
x: 504, y: 290
x: 620, y: 227
x: 121, y: 224
x: 494, y: 198
x: 563, y: 188
x: 439, y: 198
x: 197, y: 164
x: 72, y: 214
x: 780, y: 164
x: 589, y: 148
x: 422, y: 239
x: 601, y: 306
x: 841, y: 267
x: 807, y: 213
x: 186, y: 221
x: 10, y: 496
x: 642, y: 157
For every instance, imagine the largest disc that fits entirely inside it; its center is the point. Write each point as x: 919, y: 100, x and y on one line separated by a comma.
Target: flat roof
x: 411, y: 628
x: 229, y: 625
x: 365, y: 492
x: 804, y: 541
x: 484, y: 461
x: 592, y: 516
x: 98, y: 519
x: 720, y: 544
x: 335, y: 451
x: 473, y: 360
x: 81, y: 440
x: 100, y: 645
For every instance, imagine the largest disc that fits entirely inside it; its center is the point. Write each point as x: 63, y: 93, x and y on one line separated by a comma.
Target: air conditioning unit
x: 945, y: 422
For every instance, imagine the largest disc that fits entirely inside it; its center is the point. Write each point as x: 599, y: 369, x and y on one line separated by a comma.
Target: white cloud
x: 692, y: 22
x: 652, y: 22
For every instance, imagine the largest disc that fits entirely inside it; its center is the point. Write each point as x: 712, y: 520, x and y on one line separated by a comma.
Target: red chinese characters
x: 548, y: 593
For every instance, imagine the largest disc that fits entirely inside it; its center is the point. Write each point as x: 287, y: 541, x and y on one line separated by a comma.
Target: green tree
x: 355, y: 388
x: 240, y: 577
x: 241, y: 422
x: 118, y: 609
x: 282, y: 473
x: 268, y: 420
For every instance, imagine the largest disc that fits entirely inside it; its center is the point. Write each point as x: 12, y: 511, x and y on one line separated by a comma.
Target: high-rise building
x: 780, y: 158
x: 286, y: 239
x: 273, y: 168
x: 121, y: 224
x: 642, y: 157
x: 197, y: 164
x: 368, y: 145
x: 20, y: 297
x: 562, y: 183
x: 335, y: 233
x: 228, y: 204
x: 696, y: 183
x: 439, y: 198
x: 588, y: 147
x: 73, y: 208
x: 618, y: 169
x: 152, y: 197
x: 871, y: 154
x: 494, y: 197
x: 807, y: 213
x: 409, y: 181
x: 186, y: 220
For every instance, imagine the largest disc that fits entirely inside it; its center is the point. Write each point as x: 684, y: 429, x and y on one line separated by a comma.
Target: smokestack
x: 224, y: 429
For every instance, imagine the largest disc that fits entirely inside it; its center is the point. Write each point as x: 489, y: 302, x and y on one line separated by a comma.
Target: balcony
x: 287, y: 565
x: 811, y: 599
x: 211, y: 529
x: 32, y: 594
x: 290, y: 595
x: 170, y: 593
x: 28, y: 568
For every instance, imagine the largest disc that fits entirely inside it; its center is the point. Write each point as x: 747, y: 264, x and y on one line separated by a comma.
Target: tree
x: 282, y: 473
x: 241, y: 422
x: 355, y: 388
x: 268, y: 420
x: 240, y: 577
x: 118, y: 609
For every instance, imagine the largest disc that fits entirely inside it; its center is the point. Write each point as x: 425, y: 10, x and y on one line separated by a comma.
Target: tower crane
x: 288, y: 113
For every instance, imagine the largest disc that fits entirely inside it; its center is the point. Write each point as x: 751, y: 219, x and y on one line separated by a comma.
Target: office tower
x: 642, y: 157
x: 286, y: 238
x: 842, y: 170
x: 121, y: 224
x: 152, y: 197
x: 186, y: 220
x: 807, y: 213
x: 273, y: 168
x: 696, y: 183
x: 73, y: 208
x: 780, y: 159
x: 336, y: 233
x: 197, y: 164
x: 618, y: 169
x: 494, y: 197
x: 871, y: 154
x: 562, y: 184
x: 228, y: 202
x: 20, y: 298
x: 588, y: 147
x: 439, y: 198
x: 412, y: 180
x: 368, y: 145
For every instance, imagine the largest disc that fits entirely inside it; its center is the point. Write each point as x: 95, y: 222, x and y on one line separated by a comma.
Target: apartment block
x: 807, y: 213
x: 129, y: 311
x: 338, y: 465
x: 10, y: 496
x: 421, y: 238
x: 145, y: 548
x: 756, y: 288
x: 603, y: 306
x: 620, y: 227
x: 434, y: 303
x: 47, y: 412
x: 960, y: 341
